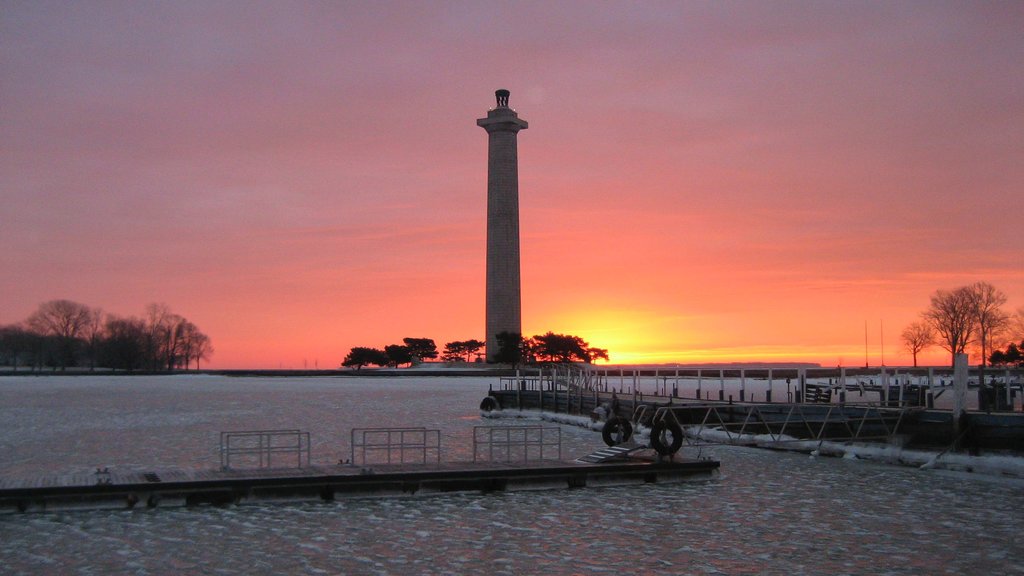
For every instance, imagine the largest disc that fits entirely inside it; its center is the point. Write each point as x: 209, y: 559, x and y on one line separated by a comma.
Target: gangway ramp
x: 609, y: 453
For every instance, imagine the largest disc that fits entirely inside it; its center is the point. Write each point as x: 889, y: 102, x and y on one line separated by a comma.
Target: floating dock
x: 128, y: 490
x: 822, y: 412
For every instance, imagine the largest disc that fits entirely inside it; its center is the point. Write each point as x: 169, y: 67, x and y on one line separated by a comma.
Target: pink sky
x: 701, y: 181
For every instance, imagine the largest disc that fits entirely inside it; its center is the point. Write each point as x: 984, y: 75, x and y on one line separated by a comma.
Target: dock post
x: 883, y: 394
x: 1009, y: 397
x: 721, y: 384
x: 743, y: 385
x: 930, y: 396
x: 699, y: 382
x: 568, y: 393
x: 768, y: 395
x: 842, y: 386
x: 802, y: 388
x: 899, y: 386
x: 959, y: 395
x: 634, y: 389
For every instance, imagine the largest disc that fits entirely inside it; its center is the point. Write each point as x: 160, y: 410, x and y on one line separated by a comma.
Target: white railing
x: 264, y: 449
x: 516, y: 443
x: 395, y: 446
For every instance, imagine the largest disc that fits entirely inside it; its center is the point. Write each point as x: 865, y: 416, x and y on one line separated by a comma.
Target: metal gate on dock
x: 395, y: 446
x: 516, y: 443
x: 264, y: 449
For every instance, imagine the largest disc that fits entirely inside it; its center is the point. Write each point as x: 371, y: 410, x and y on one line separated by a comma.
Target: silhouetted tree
x: 510, y: 348
x: 454, y: 351
x: 398, y: 354
x: 553, y: 347
x: 125, y: 345
x: 17, y: 346
x: 94, y: 332
x: 1012, y: 356
x: 473, y: 348
x: 362, y: 356
x: 1017, y: 325
x: 66, y: 322
x: 61, y: 329
x: 421, y: 348
x: 594, y: 354
x: 461, y: 350
x: 165, y: 332
x: 952, y: 316
x: 192, y: 345
x: 990, y: 320
x: 918, y: 336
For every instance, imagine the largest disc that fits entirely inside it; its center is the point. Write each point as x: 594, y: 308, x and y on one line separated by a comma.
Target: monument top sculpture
x: 502, y: 97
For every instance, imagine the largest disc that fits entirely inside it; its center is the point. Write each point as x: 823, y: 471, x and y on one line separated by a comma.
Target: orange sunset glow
x: 700, y: 182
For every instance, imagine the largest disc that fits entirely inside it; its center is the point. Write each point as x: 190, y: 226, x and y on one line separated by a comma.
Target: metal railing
x: 890, y: 386
x: 258, y: 448
x: 750, y: 424
x: 516, y: 443
x: 395, y: 446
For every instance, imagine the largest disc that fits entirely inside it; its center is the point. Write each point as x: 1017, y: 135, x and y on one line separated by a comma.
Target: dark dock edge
x: 236, y: 488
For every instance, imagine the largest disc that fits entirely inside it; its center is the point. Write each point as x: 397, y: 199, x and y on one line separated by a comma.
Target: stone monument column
x: 503, y: 292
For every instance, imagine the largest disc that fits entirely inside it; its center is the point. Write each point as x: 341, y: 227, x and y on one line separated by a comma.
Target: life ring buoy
x: 659, y: 430
x: 616, y: 431
x: 489, y: 404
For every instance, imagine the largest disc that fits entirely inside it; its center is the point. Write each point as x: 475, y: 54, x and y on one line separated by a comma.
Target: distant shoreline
x: 753, y: 370
x: 271, y: 373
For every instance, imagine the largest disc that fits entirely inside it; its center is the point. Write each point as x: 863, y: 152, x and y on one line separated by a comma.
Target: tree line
x: 969, y: 318
x: 64, y: 334
x: 550, y: 347
x: 512, y: 349
x: 411, y: 350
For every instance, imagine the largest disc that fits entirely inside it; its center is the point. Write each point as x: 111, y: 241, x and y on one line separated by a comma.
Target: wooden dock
x: 174, y: 487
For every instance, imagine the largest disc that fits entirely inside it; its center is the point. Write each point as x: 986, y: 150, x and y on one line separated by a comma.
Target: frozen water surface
x: 767, y: 512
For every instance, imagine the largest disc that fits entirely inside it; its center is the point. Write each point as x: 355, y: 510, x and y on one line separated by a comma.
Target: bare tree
x: 125, y: 343
x: 93, y: 335
x: 202, y: 348
x: 952, y: 316
x: 66, y: 321
x: 918, y: 336
x: 1017, y: 325
x: 167, y: 333
x: 990, y: 320
x: 60, y: 318
x: 192, y: 344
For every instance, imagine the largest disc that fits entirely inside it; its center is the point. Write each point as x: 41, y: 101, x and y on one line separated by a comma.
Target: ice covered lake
x: 766, y: 513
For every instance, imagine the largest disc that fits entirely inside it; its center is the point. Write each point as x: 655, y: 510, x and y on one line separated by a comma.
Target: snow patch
x: 995, y: 465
